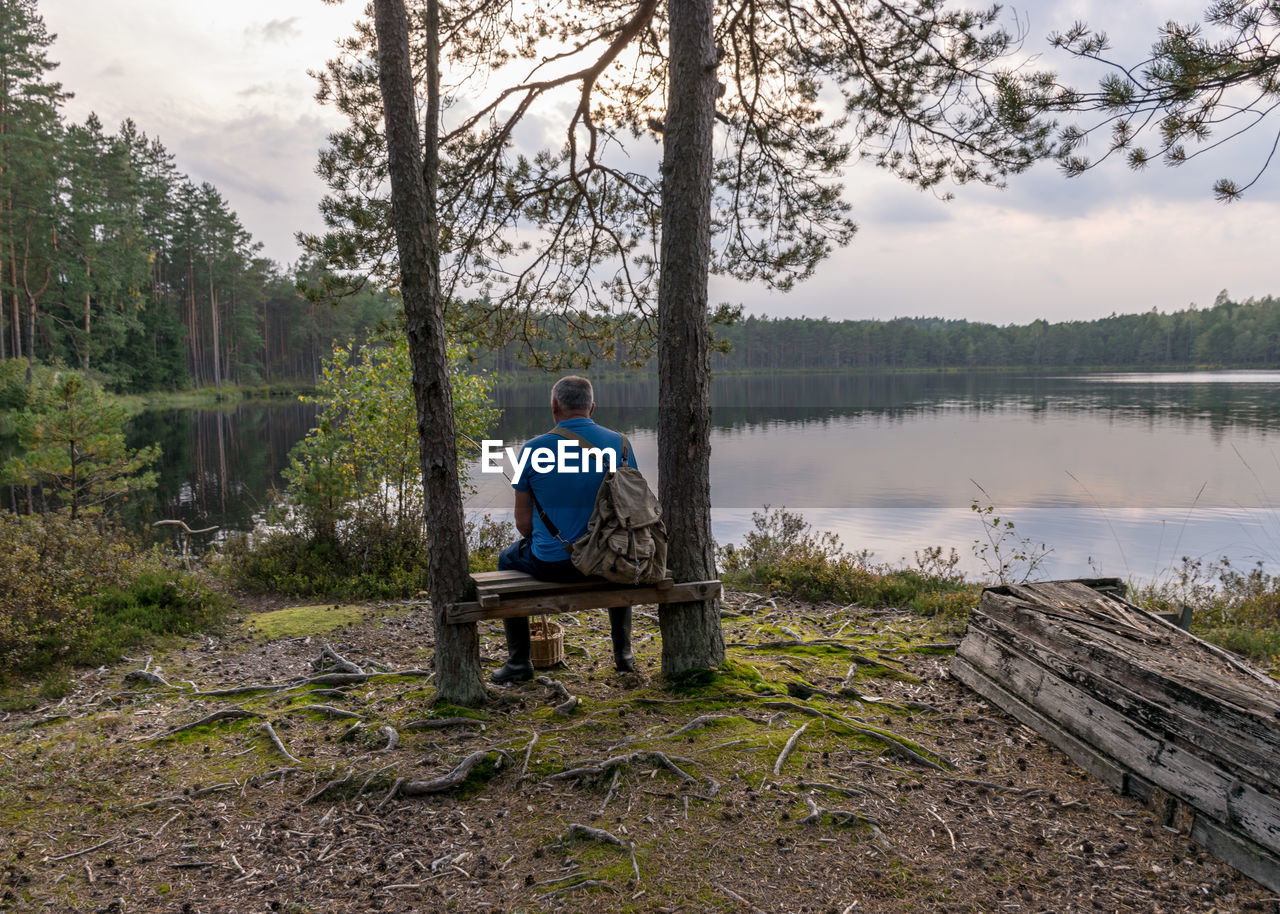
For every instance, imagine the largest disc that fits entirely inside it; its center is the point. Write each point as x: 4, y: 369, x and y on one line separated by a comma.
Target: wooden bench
x: 509, y: 594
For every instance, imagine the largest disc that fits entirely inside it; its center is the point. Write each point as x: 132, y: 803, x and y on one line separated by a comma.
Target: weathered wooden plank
x: 1232, y: 747
x: 1255, y: 862
x: 1246, y: 856
x: 1079, y: 752
x: 1240, y: 705
x: 517, y: 582
x: 1195, y: 780
x: 1149, y: 635
x: 510, y: 607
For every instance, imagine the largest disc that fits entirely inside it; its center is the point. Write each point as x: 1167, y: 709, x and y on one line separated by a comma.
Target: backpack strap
x: 583, y: 442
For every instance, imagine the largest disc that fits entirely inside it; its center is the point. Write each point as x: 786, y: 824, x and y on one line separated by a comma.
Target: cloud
x: 275, y: 31
x: 112, y: 70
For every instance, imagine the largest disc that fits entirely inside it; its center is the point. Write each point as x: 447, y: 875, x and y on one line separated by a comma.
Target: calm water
x: 1120, y: 474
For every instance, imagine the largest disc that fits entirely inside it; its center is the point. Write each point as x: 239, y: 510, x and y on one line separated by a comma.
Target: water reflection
x: 218, y: 466
x: 1130, y: 474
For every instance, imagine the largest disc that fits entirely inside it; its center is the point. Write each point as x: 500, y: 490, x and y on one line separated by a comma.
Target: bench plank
x: 601, y: 596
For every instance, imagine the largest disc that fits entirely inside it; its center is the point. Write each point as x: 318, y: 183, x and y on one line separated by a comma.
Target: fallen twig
x: 87, y: 850
x: 736, y: 897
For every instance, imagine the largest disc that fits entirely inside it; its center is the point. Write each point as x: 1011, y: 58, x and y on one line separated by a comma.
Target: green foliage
x: 352, y: 525
x: 1009, y: 558
x: 1236, y: 610
x: 783, y: 553
x: 76, y: 592
x: 73, y: 447
x: 1194, y: 81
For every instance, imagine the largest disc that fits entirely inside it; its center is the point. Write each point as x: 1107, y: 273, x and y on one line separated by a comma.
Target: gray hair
x: 574, y: 393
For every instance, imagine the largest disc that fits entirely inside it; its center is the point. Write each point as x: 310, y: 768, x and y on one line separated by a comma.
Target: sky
x: 225, y: 87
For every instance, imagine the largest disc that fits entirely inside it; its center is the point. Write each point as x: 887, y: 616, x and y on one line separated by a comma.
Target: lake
x: 1120, y: 474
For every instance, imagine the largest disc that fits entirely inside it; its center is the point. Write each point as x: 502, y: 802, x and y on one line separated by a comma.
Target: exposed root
x: 613, y: 787
x: 894, y: 742
x: 840, y: 817
x: 330, y: 661
x: 787, y: 750
x: 573, y: 886
x: 592, y: 834
x: 332, y: 785
x: 569, y: 701
x: 848, y: 791
x: 453, y: 778
x: 696, y: 724
x: 392, y: 737
x: 439, y: 723
x: 270, y: 732
x: 224, y: 714
x: 327, y: 710
x: 587, y: 770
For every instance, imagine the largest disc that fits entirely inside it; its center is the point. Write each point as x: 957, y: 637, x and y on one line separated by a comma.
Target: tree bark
x: 414, y: 182
x: 691, y: 633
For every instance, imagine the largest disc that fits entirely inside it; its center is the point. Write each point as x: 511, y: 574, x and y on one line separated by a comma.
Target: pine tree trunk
x: 691, y: 633
x: 213, y: 322
x: 84, y: 356
x: 413, y: 208
x: 15, y: 319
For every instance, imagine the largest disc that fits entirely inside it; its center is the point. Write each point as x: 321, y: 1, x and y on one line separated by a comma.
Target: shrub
x: 77, y: 592
x: 783, y: 553
x: 351, y: 526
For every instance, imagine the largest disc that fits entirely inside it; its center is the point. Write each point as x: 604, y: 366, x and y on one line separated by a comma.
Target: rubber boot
x: 518, y: 668
x: 620, y: 632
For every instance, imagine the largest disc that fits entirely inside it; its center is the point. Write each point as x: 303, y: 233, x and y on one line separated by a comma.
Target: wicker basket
x: 546, y: 642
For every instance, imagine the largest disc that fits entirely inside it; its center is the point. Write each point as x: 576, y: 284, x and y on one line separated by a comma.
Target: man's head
x: 571, y: 397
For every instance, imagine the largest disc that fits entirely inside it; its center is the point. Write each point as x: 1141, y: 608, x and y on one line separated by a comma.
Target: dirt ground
x: 901, y: 790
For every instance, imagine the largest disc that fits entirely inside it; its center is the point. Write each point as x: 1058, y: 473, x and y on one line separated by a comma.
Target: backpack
x: 625, y: 541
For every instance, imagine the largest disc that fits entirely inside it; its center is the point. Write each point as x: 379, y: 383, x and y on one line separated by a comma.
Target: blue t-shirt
x: 567, y: 497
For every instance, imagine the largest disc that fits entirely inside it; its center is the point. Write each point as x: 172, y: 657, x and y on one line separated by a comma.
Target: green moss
x: 299, y: 621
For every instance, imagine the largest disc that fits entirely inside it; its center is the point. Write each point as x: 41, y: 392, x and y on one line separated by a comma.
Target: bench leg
x: 620, y: 634
x: 518, y: 667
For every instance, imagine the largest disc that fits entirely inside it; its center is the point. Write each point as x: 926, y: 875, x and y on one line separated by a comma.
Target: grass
x: 783, y: 554
x: 300, y: 621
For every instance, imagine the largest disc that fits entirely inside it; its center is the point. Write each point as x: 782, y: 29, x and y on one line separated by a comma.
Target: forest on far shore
x: 1228, y: 334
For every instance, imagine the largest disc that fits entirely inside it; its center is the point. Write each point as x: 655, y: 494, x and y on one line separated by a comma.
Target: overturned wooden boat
x: 1152, y: 710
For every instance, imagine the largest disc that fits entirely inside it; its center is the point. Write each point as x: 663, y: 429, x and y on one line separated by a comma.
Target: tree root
x: 392, y: 737
x: 894, y: 742
x: 439, y: 723
x: 330, y: 661
x: 841, y: 817
x: 569, y: 701
x: 224, y: 714
x: 328, y: 710
x: 270, y: 733
x: 454, y: 778
x: 592, y: 834
x: 600, y: 769
x: 696, y: 724
x: 787, y: 750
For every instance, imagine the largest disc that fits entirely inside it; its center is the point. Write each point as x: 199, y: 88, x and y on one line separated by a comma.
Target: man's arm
x: 524, y: 513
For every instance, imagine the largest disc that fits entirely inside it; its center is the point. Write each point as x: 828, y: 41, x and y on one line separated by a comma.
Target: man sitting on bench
x: 566, y: 499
